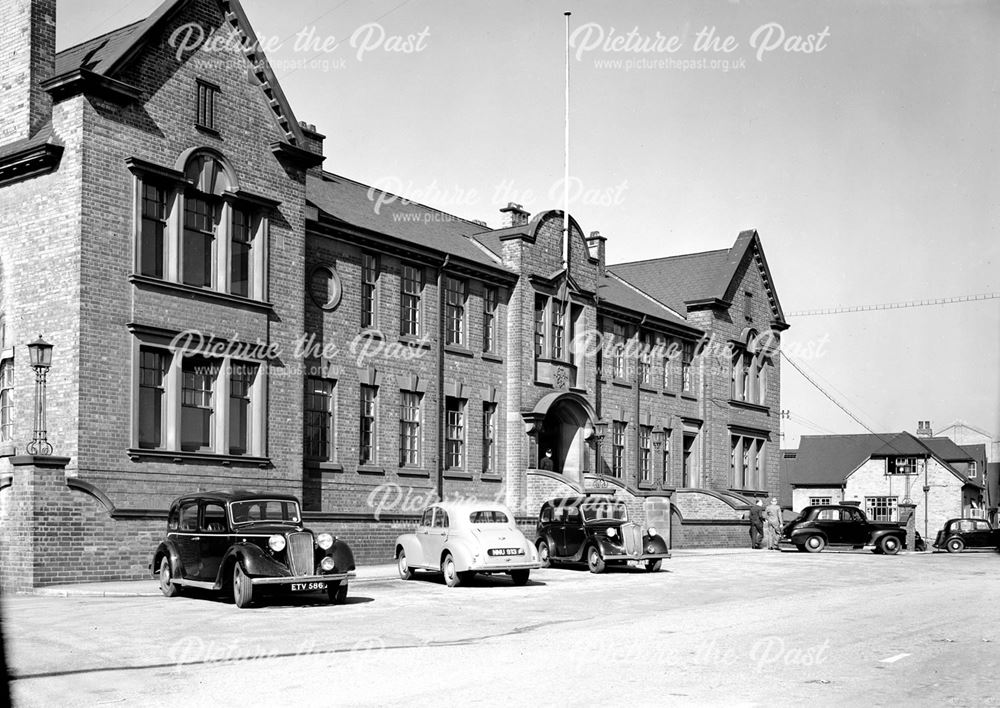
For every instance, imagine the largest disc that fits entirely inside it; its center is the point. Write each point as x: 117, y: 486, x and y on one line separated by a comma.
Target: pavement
x: 366, y: 574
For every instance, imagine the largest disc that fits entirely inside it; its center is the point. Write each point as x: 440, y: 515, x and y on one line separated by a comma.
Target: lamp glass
x: 40, y: 353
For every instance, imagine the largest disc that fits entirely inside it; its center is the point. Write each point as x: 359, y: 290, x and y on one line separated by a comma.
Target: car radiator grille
x: 632, y: 537
x: 300, y: 553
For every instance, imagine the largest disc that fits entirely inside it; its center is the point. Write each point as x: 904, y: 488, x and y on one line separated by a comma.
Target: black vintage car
x: 959, y: 534
x: 847, y: 526
x: 595, y: 530
x: 243, y: 541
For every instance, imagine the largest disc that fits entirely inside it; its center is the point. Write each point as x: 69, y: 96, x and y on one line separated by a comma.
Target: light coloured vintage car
x: 460, y: 539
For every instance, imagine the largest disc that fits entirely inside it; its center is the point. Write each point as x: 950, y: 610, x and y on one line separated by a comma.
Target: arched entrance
x: 563, y: 423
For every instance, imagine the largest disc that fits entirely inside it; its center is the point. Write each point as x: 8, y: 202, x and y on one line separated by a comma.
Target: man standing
x: 546, y: 463
x: 772, y: 531
x: 756, y: 523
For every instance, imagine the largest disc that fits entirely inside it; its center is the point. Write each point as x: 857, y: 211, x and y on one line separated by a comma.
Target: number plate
x: 506, y: 551
x: 306, y: 587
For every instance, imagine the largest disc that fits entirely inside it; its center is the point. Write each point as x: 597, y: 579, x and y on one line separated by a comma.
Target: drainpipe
x: 440, y: 381
x: 927, y: 489
x: 638, y: 393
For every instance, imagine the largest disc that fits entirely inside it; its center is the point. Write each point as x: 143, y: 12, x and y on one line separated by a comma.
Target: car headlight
x: 611, y: 532
x: 276, y: 542
x: 324, y: 541
x: 326, y: 563
x: 652, y: 531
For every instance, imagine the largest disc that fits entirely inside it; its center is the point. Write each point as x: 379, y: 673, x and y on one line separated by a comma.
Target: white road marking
x: 894, y: 659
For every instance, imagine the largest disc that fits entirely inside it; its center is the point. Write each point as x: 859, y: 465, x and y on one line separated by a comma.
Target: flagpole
x: 566, y: 162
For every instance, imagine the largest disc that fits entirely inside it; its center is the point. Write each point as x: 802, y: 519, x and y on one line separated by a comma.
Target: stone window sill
x: 749, y: 406
x: 371, y: 469
x: 145, y: 281
x: 180, y: 456
x: 323, y: 466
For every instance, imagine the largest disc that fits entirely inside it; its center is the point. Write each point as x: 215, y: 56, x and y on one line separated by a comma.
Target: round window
x: 325, y: 287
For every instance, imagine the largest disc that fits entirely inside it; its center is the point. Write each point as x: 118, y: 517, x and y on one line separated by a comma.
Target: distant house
x: 986, y: 449
x: 881, y: 471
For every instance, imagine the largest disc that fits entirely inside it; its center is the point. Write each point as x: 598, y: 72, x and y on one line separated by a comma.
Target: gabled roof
x: 947, y: 450
x: 678, y: 281
x: 675, y: 280
x: 346, y: 202
x: 97, y: 52
x: 827, y: 460
x: 105, y: 56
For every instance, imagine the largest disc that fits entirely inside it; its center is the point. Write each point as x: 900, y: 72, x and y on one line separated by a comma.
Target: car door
x: 829, y: 522
x: 435, y: 538
x: 854, y: 529
x: 574, y: 532
x: 214, y: 541
x: 980, y: 536
x: 424, y: 528
x: 187, y: 538
x: 550, y: 528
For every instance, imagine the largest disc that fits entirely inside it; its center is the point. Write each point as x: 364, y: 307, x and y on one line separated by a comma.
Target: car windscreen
x: 604, y: 511
x: 489, y: 516
x: 258, y: 511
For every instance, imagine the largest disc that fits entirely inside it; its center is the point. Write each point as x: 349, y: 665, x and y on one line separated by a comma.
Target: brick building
x: 226, y: 313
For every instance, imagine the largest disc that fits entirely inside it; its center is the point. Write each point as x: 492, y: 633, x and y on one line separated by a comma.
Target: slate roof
x: 346, y: 201
x: 710, y: 275
x: 97, y: 52
x: 614, y: 292
x: 826, y: 460
x: 676, y: 279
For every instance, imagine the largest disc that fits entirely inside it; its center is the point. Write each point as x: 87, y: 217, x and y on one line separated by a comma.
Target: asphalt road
x: 757, y: 628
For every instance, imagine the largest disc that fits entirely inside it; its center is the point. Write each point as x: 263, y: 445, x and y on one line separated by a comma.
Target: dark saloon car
x: 846, y: 526
x: 242, y: 542
x: 959, y: 534
x: 595, y: 530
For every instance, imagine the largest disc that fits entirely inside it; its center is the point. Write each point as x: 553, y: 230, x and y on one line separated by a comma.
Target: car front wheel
x: 955, y: 545
x: 594, y: 560
x: 405, y: 572
x: 451, y: 577
x: 167, y: 586
x: 889, y: 545
x: 242, y: 587
x: 654, y: 565
x: 520, y: 577
x: 337, y: 593
x: 815, y: 544
x: 543, y: 554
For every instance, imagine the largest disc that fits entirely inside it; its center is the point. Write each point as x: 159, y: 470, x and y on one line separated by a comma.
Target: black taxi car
x: 595, y: 530
x: 959, y: 534
x: 843, y: 525
x: 243, y: 541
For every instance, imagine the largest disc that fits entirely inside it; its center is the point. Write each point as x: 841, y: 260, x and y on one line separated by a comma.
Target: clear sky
x: 868, y: 165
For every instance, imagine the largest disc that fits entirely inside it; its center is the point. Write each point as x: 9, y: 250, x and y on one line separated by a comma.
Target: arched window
x: 196, y: 226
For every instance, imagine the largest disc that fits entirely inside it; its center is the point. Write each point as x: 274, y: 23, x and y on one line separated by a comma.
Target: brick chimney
x: 514, y: 215
x: 595, y: 244
x: 28, y: 56
x: 924, y: 429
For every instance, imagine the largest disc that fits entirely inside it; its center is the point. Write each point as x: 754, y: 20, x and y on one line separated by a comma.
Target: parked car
x: 244, y: 541
x: 846, y: 526
x: 595, y: 530
x: 959, y: 534
x: 460, y: 539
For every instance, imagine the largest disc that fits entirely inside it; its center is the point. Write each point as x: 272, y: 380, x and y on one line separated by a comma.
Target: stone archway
x: 563, y: 423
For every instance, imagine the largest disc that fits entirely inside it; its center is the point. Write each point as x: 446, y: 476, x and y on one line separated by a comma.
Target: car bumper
x: 493, y: 568
x: 636, y: 557
x: 288, y: 580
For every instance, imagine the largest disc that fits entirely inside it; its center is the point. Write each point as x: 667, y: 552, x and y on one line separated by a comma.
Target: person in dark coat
x: 546, y: 463
x: 756, y: 523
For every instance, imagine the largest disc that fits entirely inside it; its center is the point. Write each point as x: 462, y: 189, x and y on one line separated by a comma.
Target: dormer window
x: 207, y: 95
